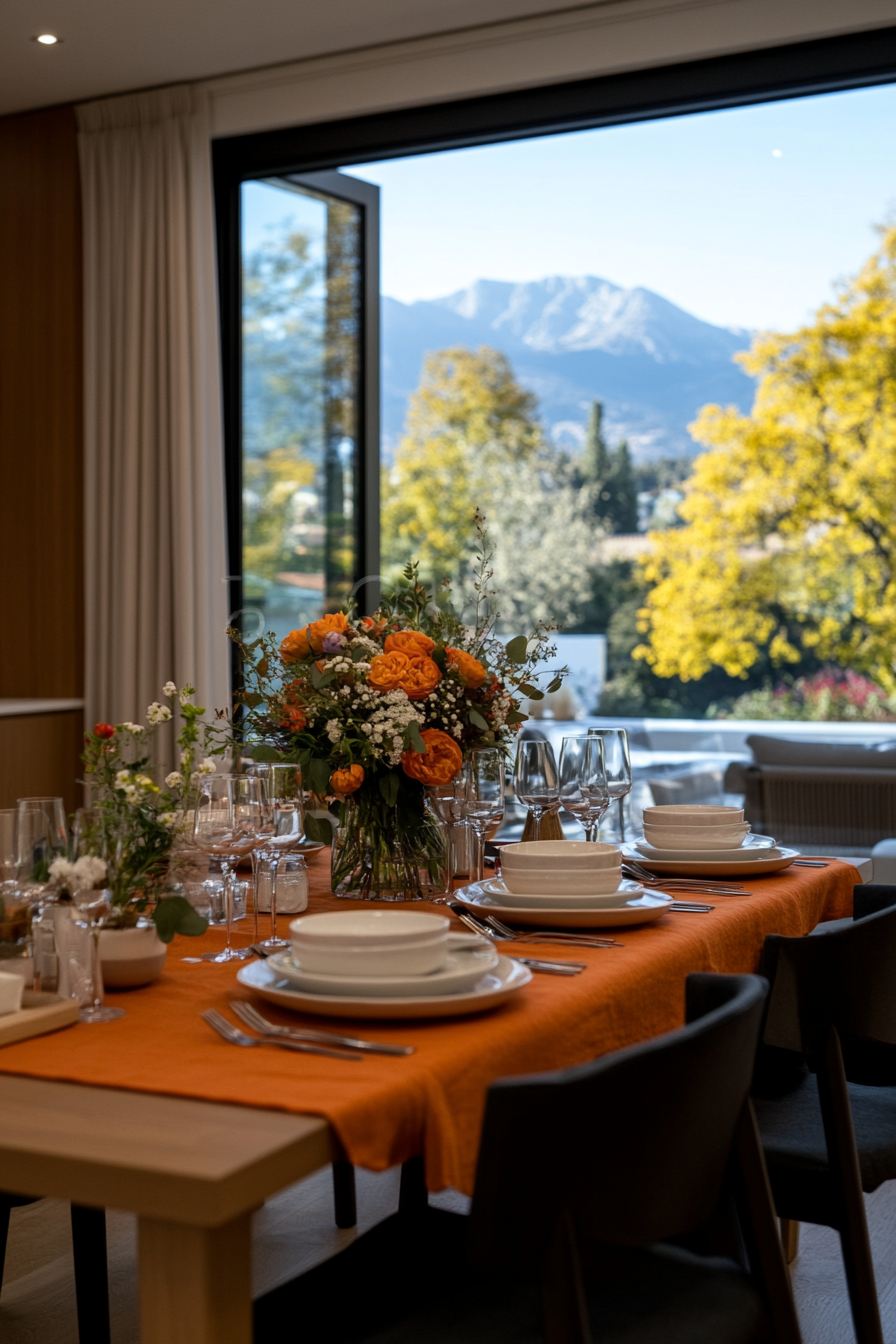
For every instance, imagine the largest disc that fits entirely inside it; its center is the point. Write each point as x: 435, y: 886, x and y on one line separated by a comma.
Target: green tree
x: 611, y: 475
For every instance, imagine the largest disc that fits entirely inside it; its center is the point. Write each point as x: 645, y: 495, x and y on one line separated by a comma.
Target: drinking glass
x: 88, y: 833
x: 537, y: 782
x: 30, y: 839
x: 283, y: 831
x: 94, y: 906
x: 9, y: 855
x: 483, y: 785
x: 447, y: 802
x: 228, y: 823
x: 618, y: 765
x: 583, y: 781
x: 56, y: 842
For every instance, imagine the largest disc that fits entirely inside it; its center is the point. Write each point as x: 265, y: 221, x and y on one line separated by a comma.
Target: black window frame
x: 769, y: 74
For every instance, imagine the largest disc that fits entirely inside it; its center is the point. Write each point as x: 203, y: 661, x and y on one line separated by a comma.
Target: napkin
x: 11, y: 989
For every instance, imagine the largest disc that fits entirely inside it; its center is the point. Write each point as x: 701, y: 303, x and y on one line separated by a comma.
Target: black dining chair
x: 825, y: 1086
x: 91, y: 1269
x: 623, y: 1199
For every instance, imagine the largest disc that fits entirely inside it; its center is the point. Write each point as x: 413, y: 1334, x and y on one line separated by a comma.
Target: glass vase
x: 383, y: 853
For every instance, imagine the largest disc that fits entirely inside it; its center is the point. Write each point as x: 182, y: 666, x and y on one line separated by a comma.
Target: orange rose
x: 103, y: 730
x: 336, y: 623
x: 439, y: 763
x: 373, y: 627
x: 346, y: 781
x: 415, y: 676
x: 412, y: 642
x: 295, y: 646
x: 294, y: 719
x: 469, y: 669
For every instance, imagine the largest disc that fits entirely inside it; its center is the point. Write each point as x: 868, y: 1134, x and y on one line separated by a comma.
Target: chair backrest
x: 634, y: 1145
x: 844, y: 979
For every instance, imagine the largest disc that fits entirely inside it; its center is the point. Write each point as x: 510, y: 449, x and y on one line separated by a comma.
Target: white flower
x: 169, y: 819
x: 131, y: 793
x: 89, y: 871
x: 62, y: 870
x: 169, y: 688
x: 157, y: 713
x: 122, y: 779
x: 206, y: 767
x: 185, y: 697
x: 174, y: 780
x: 134, y: 728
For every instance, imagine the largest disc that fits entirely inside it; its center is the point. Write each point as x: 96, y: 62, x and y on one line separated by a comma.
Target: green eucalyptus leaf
x: 440, y: 659
x: 317, y: 677
x: 174, y: 914
x: 252, y: 699
x: 516, y: 649
x: 478, y: 721
x: 260, y: 751
x: 318, y: 829
x: 555, y: 685
x: 416, y: 738
x: 516, y: 717
x: 389, y: 788
x: 318, y: 775
x: 526, y: 688
x: 359, y: 653
x: 536, y: 694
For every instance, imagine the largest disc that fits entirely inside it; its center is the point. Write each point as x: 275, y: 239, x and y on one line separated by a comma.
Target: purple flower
x: 333, y: 642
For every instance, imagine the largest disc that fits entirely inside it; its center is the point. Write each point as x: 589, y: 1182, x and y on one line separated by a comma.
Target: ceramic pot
x: 131, y: 957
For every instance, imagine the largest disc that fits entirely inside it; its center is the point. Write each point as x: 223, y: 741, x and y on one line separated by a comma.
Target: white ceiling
x: 112, y: 46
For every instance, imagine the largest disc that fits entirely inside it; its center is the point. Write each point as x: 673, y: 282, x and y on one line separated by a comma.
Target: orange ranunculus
x: 439, y: 763
x: 335, y: 623
x: 295, y: 646
x: 411, y: 642
x: 416, y: 676
x: 374, y: 627
x: 469, y: 669
x: 346, y: 781
x: 104, y: 730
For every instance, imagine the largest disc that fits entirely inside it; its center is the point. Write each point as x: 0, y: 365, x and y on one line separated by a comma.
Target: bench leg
x: 412, y: 1193
x: 91, y: 1274
x: 344, y: 1201
x: 195, y: 1282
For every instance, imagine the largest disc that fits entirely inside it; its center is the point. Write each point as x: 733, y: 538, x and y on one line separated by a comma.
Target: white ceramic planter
x: 131, y: 957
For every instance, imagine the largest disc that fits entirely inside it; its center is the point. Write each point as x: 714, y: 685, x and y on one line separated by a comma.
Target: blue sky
x: 700, y: 209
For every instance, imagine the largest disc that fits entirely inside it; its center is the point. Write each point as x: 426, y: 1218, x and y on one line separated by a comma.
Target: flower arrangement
x: 136, y: 822
x: 378, y: 709
x: 834, y: 694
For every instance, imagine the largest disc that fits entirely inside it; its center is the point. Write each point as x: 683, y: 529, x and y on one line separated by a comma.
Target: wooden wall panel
x: 41, y: 491
x: 40, y: 756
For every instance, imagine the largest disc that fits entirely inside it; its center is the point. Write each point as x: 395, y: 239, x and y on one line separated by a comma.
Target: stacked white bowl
x: 561, y: 868
x: 357, y: 943
x: 694, y: 826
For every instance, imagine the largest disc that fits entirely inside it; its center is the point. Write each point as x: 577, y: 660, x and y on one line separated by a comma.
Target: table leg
x: 195, y: 1282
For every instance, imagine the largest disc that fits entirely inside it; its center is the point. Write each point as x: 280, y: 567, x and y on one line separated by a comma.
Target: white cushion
x: 840, y: 755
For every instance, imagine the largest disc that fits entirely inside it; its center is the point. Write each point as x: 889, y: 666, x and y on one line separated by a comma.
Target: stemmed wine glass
x: 536, y: 781
x: 583, y: 781
x: 283, y: 831
x: 54, y: 841
x: 229, y: 822
x: 618, y: 765
x: 483, y: 796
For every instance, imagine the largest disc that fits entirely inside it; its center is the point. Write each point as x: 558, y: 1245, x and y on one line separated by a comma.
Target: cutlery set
x: 303, y: 1040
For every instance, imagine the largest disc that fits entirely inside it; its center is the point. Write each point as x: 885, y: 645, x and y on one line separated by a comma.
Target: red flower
x: 104, y: 730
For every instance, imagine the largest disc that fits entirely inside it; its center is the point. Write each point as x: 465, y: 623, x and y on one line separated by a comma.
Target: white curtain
x: 154, y: 474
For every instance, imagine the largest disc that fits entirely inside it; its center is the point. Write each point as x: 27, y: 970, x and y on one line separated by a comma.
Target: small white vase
x: 131, y: 957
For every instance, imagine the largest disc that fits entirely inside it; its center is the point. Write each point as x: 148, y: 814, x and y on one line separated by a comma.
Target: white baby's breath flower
x: 206, y: 767
x: 157, y: 713
x: 61, y: 870
x: 169, y: 688
x: 89, y: 871
x: 174, y: 780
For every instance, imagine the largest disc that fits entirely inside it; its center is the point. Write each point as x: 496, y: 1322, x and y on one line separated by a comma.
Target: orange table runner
x: 385, y: 1109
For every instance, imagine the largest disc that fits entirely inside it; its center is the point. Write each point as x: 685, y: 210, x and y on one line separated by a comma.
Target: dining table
x: 156, y: 1114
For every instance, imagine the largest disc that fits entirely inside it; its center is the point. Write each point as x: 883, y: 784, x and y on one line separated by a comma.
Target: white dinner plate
x: 772, y: 861
x: 640, y: 910
x: 467, y: 962
x: 754, y: 847
x: 495, y: 987
x: 624, y: 892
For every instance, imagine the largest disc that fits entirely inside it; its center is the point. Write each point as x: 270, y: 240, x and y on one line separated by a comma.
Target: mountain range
x: 571, y: 340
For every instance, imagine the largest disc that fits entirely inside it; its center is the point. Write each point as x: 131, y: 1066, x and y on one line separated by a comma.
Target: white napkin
x: 12, y: 988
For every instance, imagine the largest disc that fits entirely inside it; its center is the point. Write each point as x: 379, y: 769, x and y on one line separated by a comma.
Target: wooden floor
x: 296, y: 1230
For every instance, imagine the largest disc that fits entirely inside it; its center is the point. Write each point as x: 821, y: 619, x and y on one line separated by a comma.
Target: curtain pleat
x: 155, y: 546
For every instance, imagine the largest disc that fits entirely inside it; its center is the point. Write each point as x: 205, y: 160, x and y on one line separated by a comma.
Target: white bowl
x: 692, y: 814
x: 625, y: 891
x: 370, y: 942
x: 562, y: 883
x: 571, y: 855
x: 711, y: 839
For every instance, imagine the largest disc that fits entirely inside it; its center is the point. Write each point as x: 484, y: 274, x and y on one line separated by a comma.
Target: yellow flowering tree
x: 789, y: 540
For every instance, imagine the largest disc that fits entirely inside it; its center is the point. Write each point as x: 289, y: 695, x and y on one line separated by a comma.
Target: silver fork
x: 491, y: 927
x: 703, y: 884
x: 236, y: 1037
x: 253, y: 1018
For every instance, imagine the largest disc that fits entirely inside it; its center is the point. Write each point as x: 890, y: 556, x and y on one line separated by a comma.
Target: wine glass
x: 55, y: 840
x: 283, y: 830
x: 583, y: 781
x: 536, y: 780
x: 447, y: 803
x: 618, y: 765
x: 228, y: 823
x: 9, y: 854
x: 483, y: 796
x: 94, y: 906
x: 30, y: 840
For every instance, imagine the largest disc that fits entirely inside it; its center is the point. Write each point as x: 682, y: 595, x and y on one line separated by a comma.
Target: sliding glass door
x: 308, y: 415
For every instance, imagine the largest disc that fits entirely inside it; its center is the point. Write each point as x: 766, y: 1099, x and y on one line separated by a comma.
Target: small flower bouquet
x: 380, y: 708
x: 135, y: 823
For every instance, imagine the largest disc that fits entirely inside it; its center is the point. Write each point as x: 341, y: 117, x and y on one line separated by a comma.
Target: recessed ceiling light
x: 46, y: 39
